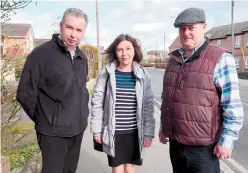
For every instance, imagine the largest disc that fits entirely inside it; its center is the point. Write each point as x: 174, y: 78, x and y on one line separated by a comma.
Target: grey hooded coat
x: 103, y: 119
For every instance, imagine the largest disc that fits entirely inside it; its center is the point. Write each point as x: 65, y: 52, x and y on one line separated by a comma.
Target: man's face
x: 191, y: 35
x: 72, y: 31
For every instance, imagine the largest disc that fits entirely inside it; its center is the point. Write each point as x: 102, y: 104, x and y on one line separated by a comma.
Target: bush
x: 19, y: 67
x: 18, y: 144
x: 91, y: 53
x: 243, y: 75
x: 20, y: 157
x: 15, y: 136
x: 147, y: 64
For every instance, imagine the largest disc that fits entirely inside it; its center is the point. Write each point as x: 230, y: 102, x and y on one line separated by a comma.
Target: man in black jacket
x: 53, y: 93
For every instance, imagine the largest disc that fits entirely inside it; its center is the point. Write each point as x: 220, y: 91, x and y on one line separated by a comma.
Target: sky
x: 150, y: 21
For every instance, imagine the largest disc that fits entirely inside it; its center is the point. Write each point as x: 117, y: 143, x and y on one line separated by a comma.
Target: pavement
x: 243, y: 82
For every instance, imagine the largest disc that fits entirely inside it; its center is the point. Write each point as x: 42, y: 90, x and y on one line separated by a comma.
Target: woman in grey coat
x: 123, y: 106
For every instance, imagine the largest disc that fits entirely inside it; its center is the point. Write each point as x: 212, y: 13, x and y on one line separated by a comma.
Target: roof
x: 153, y: 52
x: 176, y: 43
x: 225, y: 30
x: 15, y: 29
x: 40, y: 41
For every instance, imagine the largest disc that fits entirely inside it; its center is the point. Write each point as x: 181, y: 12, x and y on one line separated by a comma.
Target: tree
x: 8, y: 8
x: 91, y: 53
x: 10, y: 64
x: 10, y: 107
x: 11, y: 134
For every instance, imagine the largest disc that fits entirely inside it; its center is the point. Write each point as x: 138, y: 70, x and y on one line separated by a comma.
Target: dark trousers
x: 193, y: 159
x: 59, y: 154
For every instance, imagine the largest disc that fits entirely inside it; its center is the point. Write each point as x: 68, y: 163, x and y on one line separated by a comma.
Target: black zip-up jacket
x: 52, y: 89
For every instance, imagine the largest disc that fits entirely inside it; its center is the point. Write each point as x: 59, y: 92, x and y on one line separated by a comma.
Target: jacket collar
x: 178, y: 56
x: 137, y: 70
x: 60, y: 43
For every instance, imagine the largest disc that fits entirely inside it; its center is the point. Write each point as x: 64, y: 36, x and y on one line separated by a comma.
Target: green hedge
x: 243, y: 75
x: 20, y: 157
x: 19, y: 67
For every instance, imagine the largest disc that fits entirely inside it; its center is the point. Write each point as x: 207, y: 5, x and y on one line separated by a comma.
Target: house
x: 175, y: 44
x: 156, y: 55
x: 17, y: 39
x: 221, y: 36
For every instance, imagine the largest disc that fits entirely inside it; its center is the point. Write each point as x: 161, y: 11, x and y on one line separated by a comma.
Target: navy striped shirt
x: 126, y: 103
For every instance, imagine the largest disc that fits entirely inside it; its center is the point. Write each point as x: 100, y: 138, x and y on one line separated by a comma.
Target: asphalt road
x: 240, y: 152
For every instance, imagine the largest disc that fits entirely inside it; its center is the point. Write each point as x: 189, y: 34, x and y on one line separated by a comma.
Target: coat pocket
x: 107, y: 137
x: 55, y: 114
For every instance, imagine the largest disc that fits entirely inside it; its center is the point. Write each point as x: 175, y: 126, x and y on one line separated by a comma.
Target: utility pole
x: 232, y: 28
x: 98, y: 42
x: 164, y: 46
x: 156, y: 47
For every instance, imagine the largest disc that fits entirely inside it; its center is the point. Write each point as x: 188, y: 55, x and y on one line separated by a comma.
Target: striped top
x: 226, y: 80
x: 126, y: 103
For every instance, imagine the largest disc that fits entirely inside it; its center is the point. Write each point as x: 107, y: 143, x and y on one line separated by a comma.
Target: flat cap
x: 190, y: 16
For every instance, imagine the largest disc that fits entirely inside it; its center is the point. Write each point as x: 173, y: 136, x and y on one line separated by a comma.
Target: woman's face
x: 125, y: 53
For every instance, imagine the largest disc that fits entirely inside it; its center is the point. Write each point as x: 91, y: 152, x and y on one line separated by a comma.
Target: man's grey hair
x: 75, y: 12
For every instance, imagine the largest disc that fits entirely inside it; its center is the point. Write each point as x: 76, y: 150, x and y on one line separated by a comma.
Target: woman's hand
x: 147, y: 143
x: 98, y: 139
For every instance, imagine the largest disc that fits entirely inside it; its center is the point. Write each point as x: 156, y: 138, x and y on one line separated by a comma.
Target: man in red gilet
x: 201, y: 111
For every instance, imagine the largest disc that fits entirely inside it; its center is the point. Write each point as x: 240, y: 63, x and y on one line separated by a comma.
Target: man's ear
x: 204, y: 25
x: 60, y: 27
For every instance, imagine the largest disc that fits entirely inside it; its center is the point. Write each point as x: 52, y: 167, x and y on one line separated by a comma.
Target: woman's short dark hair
x: 111, y: 50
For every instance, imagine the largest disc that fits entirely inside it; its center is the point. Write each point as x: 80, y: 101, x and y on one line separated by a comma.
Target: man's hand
x: 147, y: 143
x: 162, y: 138
x: 222, y: 153
x: 98, y: 139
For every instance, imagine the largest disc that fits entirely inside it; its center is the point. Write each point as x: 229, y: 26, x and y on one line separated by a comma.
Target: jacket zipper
x: 74, y: 73
x: 172, y: 97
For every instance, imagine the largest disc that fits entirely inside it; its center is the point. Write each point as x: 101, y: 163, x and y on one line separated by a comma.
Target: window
x: 237, y: 42
x: 246, y: 66
x: 31, y: 45
x: 247, y: 39
x: 218, y: 42
x: 26, y: 41
x: 237, y: 61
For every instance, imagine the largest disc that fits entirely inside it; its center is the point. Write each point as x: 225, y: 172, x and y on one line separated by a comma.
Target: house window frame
x: 218, y: 43
x: 246, y: 63
x: 27, y: 43
x: 31, y: 43
x: 237, y: 64
x: 247, y: 40
x: 237, y: 41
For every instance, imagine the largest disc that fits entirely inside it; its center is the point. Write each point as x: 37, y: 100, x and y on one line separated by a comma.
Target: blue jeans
x: 193, y: 159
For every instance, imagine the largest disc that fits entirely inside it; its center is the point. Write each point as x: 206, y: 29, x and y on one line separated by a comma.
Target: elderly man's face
x: 72, y: 31
x: 191, y: 35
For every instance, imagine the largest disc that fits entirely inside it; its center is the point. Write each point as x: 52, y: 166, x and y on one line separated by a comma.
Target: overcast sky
x: 147, y: 20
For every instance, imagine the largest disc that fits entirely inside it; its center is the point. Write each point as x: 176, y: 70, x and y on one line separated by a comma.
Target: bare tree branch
x: 8, y: 8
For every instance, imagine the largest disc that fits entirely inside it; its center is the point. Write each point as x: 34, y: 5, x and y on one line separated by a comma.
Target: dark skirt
x: 126, y: 150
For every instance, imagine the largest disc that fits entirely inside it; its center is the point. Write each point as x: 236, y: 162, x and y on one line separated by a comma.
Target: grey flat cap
x: 190, y: 16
